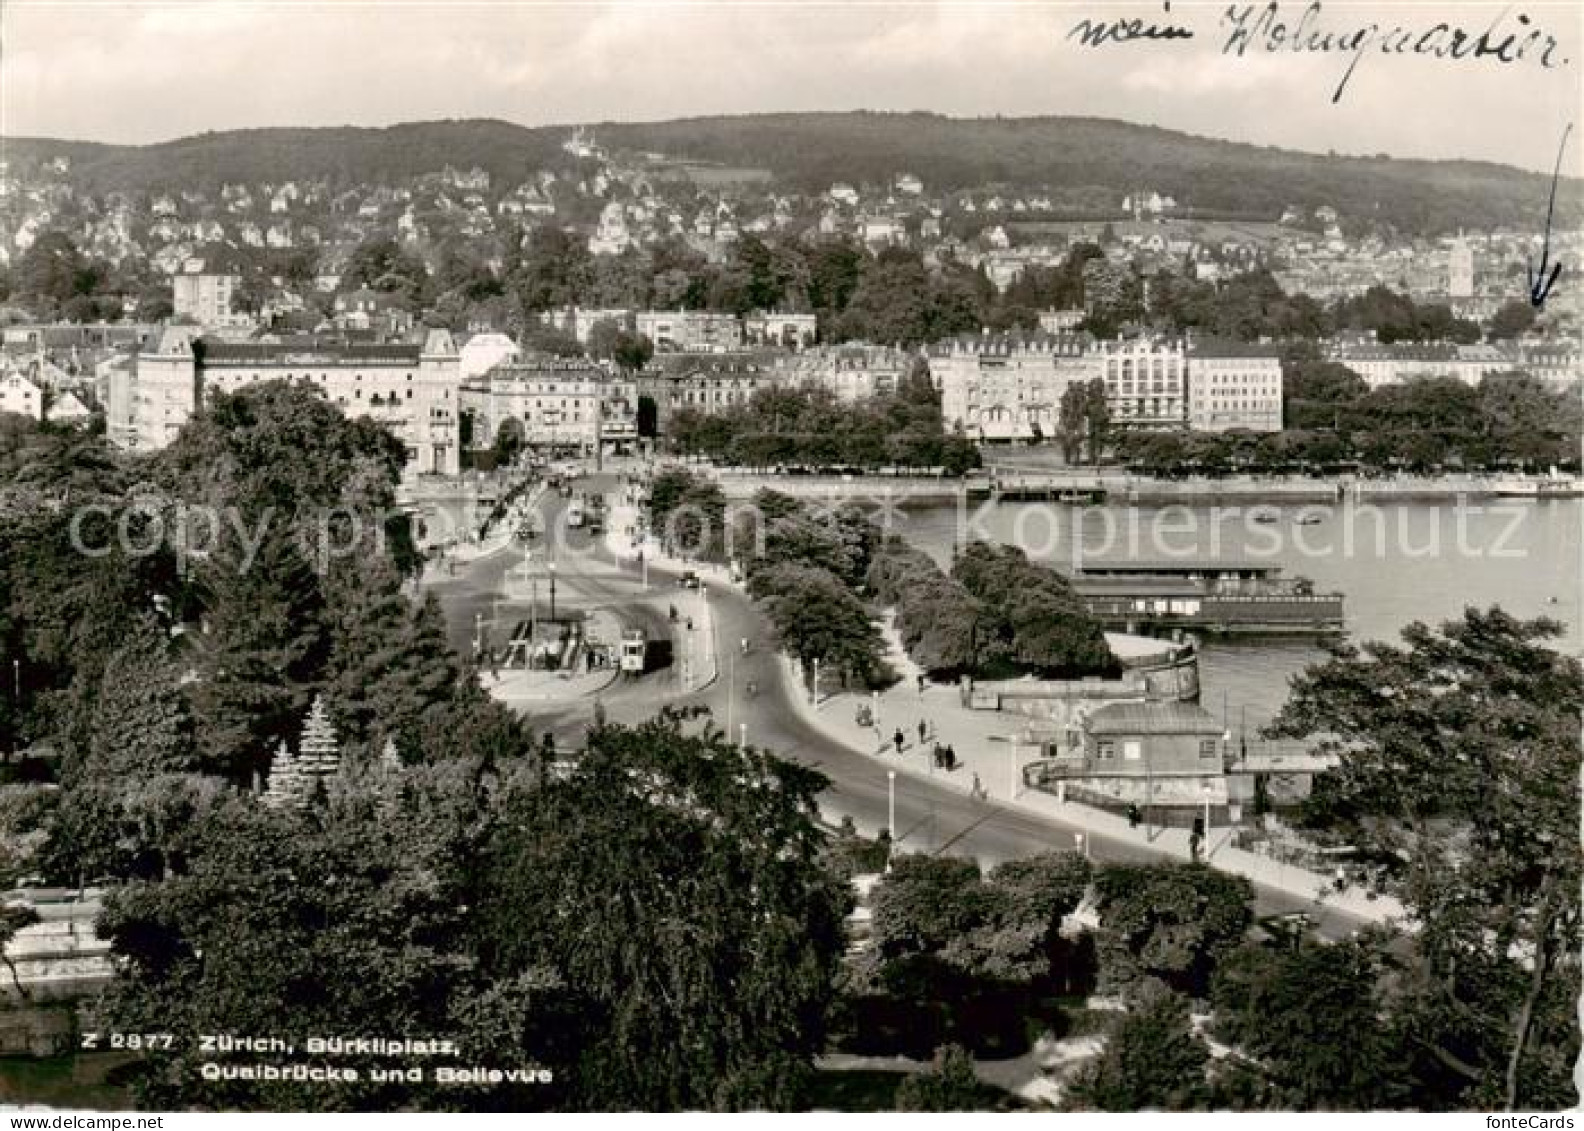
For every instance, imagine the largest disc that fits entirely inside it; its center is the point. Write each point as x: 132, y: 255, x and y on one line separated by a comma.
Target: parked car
x: 689, y: 580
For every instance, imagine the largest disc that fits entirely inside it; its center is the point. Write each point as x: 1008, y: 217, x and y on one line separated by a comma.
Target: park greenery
x: 825, y: 576
x: 1457, y: 781
x: 1335, y: 421
x: 813, y: 429
x: 995, y: 614
x: 453, y: 879
x: 405, y: 893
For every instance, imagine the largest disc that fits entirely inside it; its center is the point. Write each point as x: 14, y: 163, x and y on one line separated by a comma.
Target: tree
x: 508, y: 441
x: 1151, y: 1061
x: 1170, y: 922
x: 376, y: 942
x: 925, y: 903
x: 816, y: 617
x: 948, y: 1085
x: 675, y: 864
x: 1084, y: 418
x: 648, y: 417
x: 1311, y: 1022
x: 383, y: 264
x: 556, y: 270
x: 53, y: 269
x: 1512, y: 320
x: 632, y: 352
x: 1320, y: 395
x: 390, y: 663
x: 1456, y: 778
x: 1032, y: 617
x: 304, y: 489
x: 1071, y: 422
x: 141, y: 725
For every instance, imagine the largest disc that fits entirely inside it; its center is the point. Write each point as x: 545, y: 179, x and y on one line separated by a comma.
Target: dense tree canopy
x: 675, y: 865
x: 1458, y: 758
x: 813, y: 428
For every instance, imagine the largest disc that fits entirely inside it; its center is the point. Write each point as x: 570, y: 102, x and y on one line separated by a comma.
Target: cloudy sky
x: 145, y: 72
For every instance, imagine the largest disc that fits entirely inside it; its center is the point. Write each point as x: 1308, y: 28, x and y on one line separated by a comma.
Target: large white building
x: 410, y: 387
x: 552, y: 402
x: 688, y: 331
x: 1146, y: 383
x: 1392, y: 364
x: 1232, y: 385
x: 795, y: 331
x: 205, y: 296
x: 850, y: 373
x: 996, y: 388
x: 1460, y: 269
x: 1011, y: 388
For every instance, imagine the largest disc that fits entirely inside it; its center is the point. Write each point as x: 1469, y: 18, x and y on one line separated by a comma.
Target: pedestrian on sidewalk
x: 921, y: 685
x: 951, y: 759
x: 923, y: 731
x: 1133, y: 816
x: 978, y: 789
x: 939, y: 754
x: 899, y: 740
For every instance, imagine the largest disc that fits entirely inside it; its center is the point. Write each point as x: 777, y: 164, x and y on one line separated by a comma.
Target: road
x: 929, y: 818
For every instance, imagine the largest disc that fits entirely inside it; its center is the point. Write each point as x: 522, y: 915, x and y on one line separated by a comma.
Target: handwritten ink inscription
x: 1096, y: 33
x: 1249, y: 29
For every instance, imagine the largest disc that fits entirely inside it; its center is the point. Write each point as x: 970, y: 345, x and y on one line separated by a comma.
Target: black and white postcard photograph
x: 791, y: 556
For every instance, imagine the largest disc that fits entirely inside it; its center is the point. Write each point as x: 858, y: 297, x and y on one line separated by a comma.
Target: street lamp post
x: 814, y: 692
x: 1149, y: 801
x: 552, y: 591
x: 1208, y: 793
x: 1082, y: 844
x: 890, y: 816
x: 742, y: 735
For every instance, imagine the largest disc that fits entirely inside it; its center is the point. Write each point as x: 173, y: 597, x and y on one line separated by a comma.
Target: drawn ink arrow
x: 1542, y: 281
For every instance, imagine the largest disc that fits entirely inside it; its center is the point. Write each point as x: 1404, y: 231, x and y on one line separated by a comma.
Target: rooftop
x: 1152, y: 718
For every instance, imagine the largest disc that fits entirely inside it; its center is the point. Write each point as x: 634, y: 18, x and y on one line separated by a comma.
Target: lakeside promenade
x: 1115, y: 487
x: 979, y: 739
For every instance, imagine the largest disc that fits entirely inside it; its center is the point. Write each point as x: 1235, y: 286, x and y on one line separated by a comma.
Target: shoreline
x: 1122, y: 489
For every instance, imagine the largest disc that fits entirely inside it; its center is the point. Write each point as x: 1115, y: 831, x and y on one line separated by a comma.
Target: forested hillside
x: 1076, y: 159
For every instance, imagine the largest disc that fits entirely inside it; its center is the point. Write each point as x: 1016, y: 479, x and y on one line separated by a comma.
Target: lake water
x: 1394, y: 563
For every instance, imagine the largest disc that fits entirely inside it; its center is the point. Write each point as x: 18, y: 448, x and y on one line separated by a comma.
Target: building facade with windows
x: 794, y: 331
x: 707, y: 382
x: 410, y: 387
x: 1232, y: 385
x: 850, y: 373
x: 1009, y: 388
x: 1146, y: 383
x: 205, y: 296
x: 551, y: 402
x: 685, y: 331
x: 21, y: 396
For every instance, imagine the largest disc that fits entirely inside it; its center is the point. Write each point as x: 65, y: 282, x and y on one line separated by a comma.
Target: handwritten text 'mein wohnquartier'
x: 1251, y: 29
